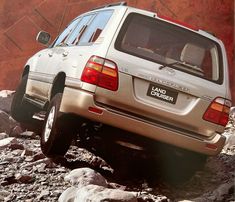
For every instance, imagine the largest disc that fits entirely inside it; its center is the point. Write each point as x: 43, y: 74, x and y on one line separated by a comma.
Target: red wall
x: 22, y: 19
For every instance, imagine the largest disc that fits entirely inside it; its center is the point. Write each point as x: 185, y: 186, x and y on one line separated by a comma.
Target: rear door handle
x: 50, y: 54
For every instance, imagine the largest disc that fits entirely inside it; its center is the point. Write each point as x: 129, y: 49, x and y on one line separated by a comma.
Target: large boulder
x: 85, y: 176
x: 8, y: 125
x: 5, y: 100
x: 6, y: 142
x: 89, y: 185
x: 229, y: 131
x: 96, y: 193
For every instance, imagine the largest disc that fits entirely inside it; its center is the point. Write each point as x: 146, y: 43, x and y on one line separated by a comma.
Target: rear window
x: 96, y: 27
x: 170, y: 45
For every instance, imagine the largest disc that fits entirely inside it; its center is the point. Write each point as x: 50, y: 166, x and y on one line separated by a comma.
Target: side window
x: 63, y: 36
x: 79, y: 30
x: 96, y: 27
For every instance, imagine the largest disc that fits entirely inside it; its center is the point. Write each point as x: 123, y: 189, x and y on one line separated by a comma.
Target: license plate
x: 162, y: 93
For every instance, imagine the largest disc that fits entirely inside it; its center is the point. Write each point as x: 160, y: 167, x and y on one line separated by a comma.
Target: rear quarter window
x: 73, y: 39
x: 89, y: 28
x: 167, y: 44
x: 96, y: 27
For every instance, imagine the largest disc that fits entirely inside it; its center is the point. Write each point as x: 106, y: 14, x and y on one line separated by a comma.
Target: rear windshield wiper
x: 191, y: 67
x: 169, y: 64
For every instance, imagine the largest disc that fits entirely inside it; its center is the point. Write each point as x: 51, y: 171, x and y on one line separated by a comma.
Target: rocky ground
x: 82, y: 175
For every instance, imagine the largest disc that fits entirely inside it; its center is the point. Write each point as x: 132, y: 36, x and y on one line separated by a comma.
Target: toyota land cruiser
x: 131, y: 69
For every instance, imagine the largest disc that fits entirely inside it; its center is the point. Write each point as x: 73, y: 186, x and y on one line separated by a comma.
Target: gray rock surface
x: 3, y: 135
x: 88, y: 185
x: 85, y: 176
x: 7, y: 142
x: 26, y: 175
x: 5, y: 100
x: 219, y: 194
x: 7, y: 124
x: 98, y: 193
x: 4, y: 194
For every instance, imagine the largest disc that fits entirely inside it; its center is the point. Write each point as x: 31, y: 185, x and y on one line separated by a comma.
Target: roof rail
x: 122, y: 3
x: 209, y: 32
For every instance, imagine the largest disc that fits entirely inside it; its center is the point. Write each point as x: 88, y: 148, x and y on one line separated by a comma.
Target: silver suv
x: 130, y: 69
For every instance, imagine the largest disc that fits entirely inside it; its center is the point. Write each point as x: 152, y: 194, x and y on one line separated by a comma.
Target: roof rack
x: 122, y: 3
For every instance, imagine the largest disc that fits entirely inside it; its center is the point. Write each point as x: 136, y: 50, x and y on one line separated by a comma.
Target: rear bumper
x: 78, y: 102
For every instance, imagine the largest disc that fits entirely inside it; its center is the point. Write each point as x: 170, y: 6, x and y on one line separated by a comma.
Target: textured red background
x: 20, y: 21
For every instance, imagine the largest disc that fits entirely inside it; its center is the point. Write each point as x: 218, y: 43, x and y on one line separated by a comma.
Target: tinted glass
x: 170, y: 45
x: 79, y: 30
x: 63, y: 36
x: 96, y: 27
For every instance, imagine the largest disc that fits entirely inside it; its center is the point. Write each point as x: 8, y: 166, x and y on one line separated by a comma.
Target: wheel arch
x: 58, y: 84
x: 25, y: 71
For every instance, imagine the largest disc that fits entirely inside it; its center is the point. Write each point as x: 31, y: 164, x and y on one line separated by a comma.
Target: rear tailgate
x: 175, y: 96
x: 177, y: 100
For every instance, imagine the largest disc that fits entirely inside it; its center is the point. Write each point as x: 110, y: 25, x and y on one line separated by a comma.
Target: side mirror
x: 43, y: 37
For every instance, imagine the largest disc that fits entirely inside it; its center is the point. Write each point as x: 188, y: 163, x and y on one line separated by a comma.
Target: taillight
x: 101, y: 72
x: 218, y: 111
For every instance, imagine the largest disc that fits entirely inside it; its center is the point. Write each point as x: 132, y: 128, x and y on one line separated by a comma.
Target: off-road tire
x: 58, y: 130
x: 22, y: 111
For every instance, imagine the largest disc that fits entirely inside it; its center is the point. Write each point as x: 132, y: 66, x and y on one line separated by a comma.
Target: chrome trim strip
x: 43, y: 77
x: 49, y: 78
x: 73, y: 82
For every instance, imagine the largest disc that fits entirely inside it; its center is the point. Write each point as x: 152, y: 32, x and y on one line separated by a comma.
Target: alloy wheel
x: 49, y: 124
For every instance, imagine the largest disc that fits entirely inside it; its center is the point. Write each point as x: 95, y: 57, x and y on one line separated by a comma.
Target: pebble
x: 43, y: 194
x: 6, y: 142
x: 17, y: 152
x: 38, y: 156
x: 14, y: 146
x: 4, y: 194
x: 6, y: 93
x: 6, y: 122
x: 10, y: 198
x: 24, y: 178
x: 3, y: 136
x: 28, y: 134
x: 29, y: 200
x: 15, y: 131
x: 41, y: 168
x: 27, y: 152
x: 8, y: 181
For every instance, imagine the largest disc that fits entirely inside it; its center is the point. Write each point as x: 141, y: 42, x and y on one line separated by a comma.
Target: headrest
x: 192, y: 54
